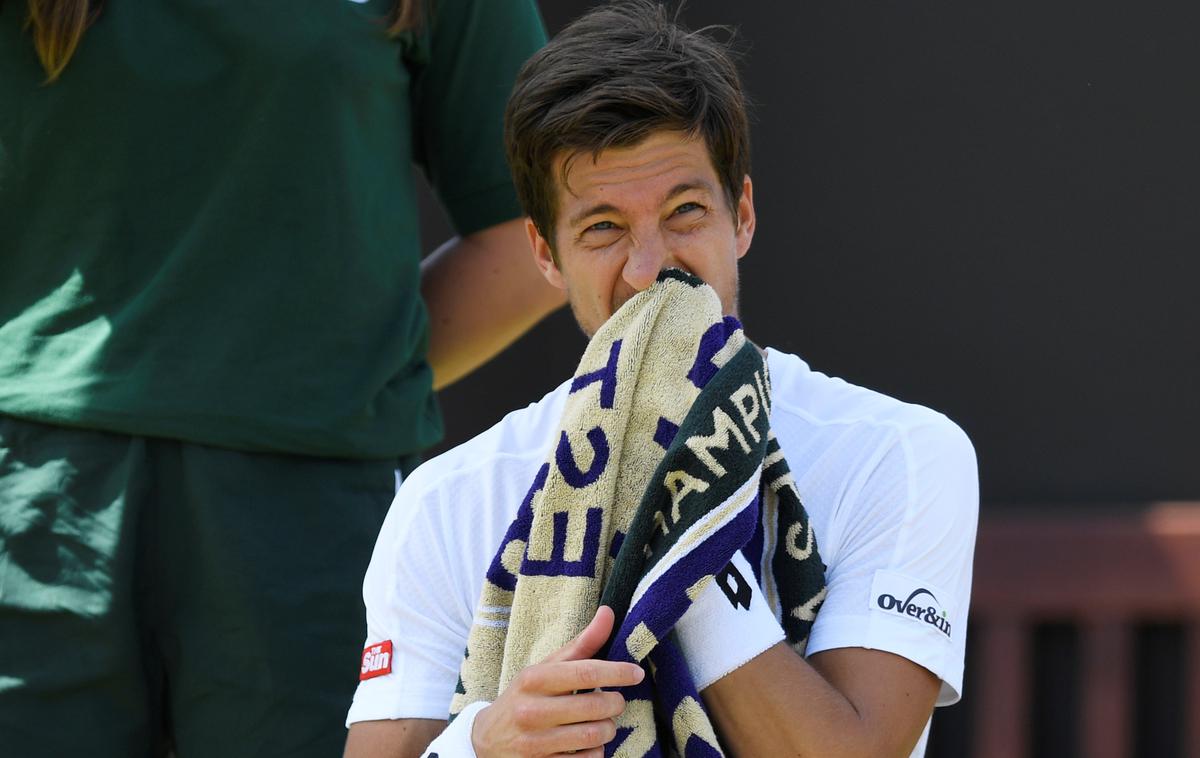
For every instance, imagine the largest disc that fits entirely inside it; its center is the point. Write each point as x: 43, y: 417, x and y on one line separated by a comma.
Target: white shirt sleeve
x: 426, y: 573
x: 414, y: 602
x: 904, y: 535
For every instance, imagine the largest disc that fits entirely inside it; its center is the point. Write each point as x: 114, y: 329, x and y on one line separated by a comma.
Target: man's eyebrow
x: 676, y: 191
x: 595, y: 210
x: 683, y: 187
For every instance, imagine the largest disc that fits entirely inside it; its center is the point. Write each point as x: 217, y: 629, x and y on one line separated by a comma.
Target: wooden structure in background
x: 1105, y: 572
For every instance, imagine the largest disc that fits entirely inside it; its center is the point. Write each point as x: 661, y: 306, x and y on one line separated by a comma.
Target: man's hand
x: 549, y: 710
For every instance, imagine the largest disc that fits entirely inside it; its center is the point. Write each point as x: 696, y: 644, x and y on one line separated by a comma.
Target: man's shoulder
x: 892, y: 489
x: 816, y: 400
x: 520, y: 440
x: 839, y: 428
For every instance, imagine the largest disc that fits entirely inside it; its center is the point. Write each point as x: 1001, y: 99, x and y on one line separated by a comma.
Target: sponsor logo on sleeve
x: 376, y: 661
x: 897, y: 594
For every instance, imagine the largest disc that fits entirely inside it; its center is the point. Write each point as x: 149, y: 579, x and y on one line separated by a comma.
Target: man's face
x: 634, y: 211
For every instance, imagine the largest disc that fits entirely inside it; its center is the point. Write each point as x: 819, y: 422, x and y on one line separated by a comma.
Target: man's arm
x: 550, y: 708
x: 911, y: 525
x: 765, y: 699
x: 856, y: 702
x: 395, y: 738
x: 841, y: 703
x: 482, y: 291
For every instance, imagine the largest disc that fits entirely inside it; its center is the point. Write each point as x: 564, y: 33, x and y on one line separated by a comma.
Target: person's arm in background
x: 481, y: 289
x: 483, y: 292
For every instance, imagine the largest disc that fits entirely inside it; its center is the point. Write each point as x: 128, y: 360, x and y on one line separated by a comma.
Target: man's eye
x: 688, y: 208
x: 601, y: 226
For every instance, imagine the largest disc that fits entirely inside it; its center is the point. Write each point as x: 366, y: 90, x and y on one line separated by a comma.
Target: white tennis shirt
x: 891, y: 488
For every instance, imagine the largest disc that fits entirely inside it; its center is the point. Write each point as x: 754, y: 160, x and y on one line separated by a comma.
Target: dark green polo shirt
x: 208, y: 228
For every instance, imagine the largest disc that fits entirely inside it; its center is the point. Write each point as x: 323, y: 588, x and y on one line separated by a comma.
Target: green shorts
x: 157, y: 595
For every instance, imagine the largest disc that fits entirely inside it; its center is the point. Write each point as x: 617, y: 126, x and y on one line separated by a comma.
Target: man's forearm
x: 482, y: 291
x: 399, y: 738
x: 780, y: 704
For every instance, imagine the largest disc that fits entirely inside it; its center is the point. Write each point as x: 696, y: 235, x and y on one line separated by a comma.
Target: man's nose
x: 648, y: 257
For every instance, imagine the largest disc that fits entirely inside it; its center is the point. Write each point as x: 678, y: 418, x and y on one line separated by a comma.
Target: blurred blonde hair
x: 58, y: 26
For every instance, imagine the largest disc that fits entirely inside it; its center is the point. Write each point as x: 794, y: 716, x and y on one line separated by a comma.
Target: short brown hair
x: 610, y: 79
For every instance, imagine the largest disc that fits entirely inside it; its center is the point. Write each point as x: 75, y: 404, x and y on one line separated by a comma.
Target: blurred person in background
x: 219, y: 346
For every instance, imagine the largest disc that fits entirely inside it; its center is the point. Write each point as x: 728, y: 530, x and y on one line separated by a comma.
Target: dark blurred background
x: 991, y: 209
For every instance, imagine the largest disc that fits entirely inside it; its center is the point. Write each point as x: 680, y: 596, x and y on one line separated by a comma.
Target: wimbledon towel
x: 664, y: 466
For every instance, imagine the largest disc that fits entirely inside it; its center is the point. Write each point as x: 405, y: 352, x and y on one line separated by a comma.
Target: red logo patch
x: 376, y: 661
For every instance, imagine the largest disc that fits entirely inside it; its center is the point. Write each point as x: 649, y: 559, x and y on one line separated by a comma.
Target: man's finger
x: 540, y: 712
x: 588, y: 642
x: 596, y: 752
x: 576, y: 737
x: 581, y: 707
x: 565, y: 677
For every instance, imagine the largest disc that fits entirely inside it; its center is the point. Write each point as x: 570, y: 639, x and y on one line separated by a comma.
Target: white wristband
x: 727, y: 625
x: 455, y: 739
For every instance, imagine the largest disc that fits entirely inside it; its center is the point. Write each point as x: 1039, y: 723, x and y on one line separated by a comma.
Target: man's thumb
x: 588, y: 642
